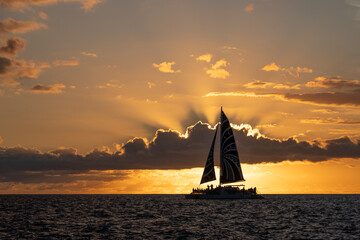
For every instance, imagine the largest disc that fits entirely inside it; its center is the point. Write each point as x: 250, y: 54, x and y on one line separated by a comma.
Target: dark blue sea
x: 173, y: 217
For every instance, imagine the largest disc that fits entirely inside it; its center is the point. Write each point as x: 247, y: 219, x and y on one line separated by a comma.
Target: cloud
x: 332, y: 82
x: 355, y: 3
x: 23, y: 4
x: 271, y: 67
x: 58, y: 63
x: 205, y: 58
x: 324, y: 111
x: 43, y: 15
x: 249, y: 8
x: 151, y: 84
x: 330, y: 121
x: 329, y: 98
x: 89, y: 54
x: 12, y: 45
x: 20, y: 68
x: 293, y: 71
x: 168, y: 150
x: 230, y: 48
x: 9, y: 82
x: 54, y: 89
x: 217, y: 71
x: 259, y: 84
x: 346, y: 99
x: 165, y: 67
x: 13, y: 26
x: 111, y: 84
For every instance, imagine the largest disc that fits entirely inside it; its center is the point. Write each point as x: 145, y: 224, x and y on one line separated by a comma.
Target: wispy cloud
x: 324, y: 111
x: 25, y: 4
x: 111, y: 84
x: 346, y: 99
x: 150, y: 84
x: 332, y: 82
x: 13, y: 26
x: 166, y: 67
x: 259, y: 84
x: 355, y: 3
x: 89, y: 54
x: 65, y: 63
x: 43, y: 15
x: 53, y: 89
x: 330, y: 121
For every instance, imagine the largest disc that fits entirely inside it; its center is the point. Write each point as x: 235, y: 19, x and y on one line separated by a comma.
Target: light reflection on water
x: 171, y: 216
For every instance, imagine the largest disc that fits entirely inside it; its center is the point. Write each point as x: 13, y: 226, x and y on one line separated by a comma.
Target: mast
x: 230, y: 169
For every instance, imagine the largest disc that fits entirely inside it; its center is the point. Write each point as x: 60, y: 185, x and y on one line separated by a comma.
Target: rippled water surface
x: 173, y: 217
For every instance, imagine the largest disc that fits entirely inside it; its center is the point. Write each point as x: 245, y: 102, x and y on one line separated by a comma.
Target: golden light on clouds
x: 166, y: 67
x: 271, y: 67
x: 129, y: 74
x: 205, y: 57
x: 58, y: 63
x: 217, y: 70
x: 286, y: 177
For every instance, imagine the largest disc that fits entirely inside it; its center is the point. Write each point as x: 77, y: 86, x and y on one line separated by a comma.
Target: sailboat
x: 230, y: 169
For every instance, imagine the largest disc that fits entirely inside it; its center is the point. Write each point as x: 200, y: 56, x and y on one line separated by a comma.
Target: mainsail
x: 230, y: 170
x: 209, y: 172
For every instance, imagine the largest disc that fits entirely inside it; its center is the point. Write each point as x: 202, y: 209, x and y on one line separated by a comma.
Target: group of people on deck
x: 229, y: 189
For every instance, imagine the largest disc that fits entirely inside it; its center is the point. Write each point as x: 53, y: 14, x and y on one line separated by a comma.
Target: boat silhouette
x: 230, y: 169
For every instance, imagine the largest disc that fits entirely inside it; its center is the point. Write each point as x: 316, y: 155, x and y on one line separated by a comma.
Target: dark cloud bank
x: 168, y: 150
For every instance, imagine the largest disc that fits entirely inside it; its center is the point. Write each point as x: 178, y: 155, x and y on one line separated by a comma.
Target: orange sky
x: 97, y: 96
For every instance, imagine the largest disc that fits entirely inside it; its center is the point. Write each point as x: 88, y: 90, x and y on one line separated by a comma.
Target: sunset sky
x: 115, y: 96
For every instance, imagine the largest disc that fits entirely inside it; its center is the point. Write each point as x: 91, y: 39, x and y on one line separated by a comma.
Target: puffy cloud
x: 169, y: 150
x: 217, y: 71
x: 13, y: 26
x: 165, y: 67
x: 89, y: 54
x: 249, y: 8
x: 271, y: 67
x: 293, y: 71
x: 332, y: 82
x: 12, y: 45
x: 205, y: 57
x: 58, y: 63
x: 54, y: 89
x: 21, y: 4
x: 20, y: 68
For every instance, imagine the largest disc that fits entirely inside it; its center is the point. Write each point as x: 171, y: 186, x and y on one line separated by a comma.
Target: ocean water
x: 173, y: 217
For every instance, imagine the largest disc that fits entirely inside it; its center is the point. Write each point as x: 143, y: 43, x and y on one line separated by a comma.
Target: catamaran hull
x: 223, y: 196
